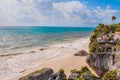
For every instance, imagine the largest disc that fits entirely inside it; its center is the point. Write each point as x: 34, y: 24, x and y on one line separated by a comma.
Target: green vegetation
x: 75, y: 71
x: 110, y: 75
x: 116, y: 27
x: 37, y: 72
x: 102, y: 29
x: 85, y: 70
x: 117, y: 57
x: 61, y: 70
x: 63, y: 76
x: 80, y: 78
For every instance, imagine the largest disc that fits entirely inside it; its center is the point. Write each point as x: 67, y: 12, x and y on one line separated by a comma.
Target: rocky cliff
x: 104, y: 49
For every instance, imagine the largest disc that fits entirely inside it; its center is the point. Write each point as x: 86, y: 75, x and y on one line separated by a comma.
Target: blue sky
x: 58, y: 12
x: 115, y: 4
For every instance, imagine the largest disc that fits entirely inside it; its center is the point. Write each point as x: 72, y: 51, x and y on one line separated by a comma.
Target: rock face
x: 81, y: 53
x: 104, y: 47
x: 43, y: 74
x: 74, y: 76
x: 100, y: 63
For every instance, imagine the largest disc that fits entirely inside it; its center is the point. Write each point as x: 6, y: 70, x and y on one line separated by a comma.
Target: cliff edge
x: 105, y: 49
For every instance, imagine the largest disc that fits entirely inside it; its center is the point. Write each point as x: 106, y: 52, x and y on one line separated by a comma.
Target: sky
x: 58, y: 12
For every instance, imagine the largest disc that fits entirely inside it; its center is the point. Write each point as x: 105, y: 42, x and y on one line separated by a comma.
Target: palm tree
x: 113, y: 18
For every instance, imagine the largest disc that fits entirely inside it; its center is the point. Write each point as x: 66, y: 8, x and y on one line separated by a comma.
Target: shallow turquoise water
x: 20, y: 37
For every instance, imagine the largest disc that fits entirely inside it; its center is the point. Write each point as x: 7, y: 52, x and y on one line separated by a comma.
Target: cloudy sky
x: 58, y: 12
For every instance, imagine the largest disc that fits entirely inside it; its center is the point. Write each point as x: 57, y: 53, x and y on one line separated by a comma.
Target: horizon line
x: 45, y: 26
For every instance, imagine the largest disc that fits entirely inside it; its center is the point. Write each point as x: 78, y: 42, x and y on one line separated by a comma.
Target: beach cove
x: 32, y: 60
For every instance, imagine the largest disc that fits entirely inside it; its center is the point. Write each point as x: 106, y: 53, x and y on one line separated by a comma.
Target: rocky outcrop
x: 47, y: 74
x: 81, y: 53
x: 104, y: 47
x: 43, y: 74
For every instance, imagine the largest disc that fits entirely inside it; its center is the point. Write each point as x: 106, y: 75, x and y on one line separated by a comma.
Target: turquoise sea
x: 21, y: 37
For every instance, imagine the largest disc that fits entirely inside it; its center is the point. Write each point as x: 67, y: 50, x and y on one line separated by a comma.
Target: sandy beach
x: 56, y: 56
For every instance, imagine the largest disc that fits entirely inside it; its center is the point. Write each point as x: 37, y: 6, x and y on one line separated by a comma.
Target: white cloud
x: 68, y: 9
x: 81, y: 14
x: 44, y: 12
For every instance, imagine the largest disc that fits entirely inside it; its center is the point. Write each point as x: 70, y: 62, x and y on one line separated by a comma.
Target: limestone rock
x: 81, y: 53
x: 89, y: 77
x: 43, y: 74
x: 100, y: 63
x: 58, y: 76
x: 74, y: 76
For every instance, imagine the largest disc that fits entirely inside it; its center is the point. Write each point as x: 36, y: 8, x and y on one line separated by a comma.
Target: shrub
x: 61, y: 70
x: 85, y: 70
x: 80, y: 78
x: 110, y: 75
x: 117, y: 57
x: 75, y: 71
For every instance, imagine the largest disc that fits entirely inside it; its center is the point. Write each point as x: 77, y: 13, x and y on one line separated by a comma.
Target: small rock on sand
x: 81, y: 53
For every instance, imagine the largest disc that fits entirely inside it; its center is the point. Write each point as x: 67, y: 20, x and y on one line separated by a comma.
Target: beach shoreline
x: 61, y: 52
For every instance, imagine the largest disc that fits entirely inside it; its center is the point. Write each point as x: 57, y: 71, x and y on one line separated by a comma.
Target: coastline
x: 61, y: 52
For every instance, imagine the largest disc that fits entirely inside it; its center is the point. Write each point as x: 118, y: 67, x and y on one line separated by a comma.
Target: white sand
x: 56, y: 56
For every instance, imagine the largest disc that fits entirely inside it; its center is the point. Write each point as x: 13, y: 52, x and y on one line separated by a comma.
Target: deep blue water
x: 20, y: 37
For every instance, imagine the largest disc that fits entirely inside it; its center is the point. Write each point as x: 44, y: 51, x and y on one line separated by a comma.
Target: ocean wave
x: 23, y: 46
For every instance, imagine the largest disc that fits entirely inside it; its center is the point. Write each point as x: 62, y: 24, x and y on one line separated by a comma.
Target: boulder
x: 43, y: 74
x: 74, y: 76
x: 81, y: 53
x: 58, y: 76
